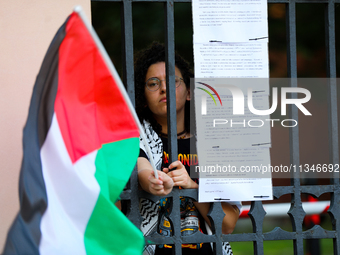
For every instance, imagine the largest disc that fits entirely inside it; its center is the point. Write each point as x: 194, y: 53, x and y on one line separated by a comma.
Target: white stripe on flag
x: 72, y: 193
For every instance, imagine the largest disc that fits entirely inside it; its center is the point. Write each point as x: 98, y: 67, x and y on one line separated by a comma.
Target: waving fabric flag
x: 80, y: 146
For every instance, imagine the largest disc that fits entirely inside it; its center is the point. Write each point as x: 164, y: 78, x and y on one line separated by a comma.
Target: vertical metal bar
x: 296, y: 212
x: 333, y: 118
x: 128, y: 80
x: 216, y: 213
x: 133, y: 210
x: 256, y: 215
x: 172, y: 117
x: 291, y: 37
x: 170, y: 79
x: 334, y: 213
x: 332, y: 90
x: 127, y: 51
x: 330, y: 38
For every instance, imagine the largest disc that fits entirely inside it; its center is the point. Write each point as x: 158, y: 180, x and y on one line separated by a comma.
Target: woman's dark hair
x: 144, y: 59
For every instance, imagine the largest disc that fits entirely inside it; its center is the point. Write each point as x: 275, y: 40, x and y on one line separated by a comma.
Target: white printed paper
x: 233, y: 132
x: 227, y: 190
x: 230, y: 21
x: 242, y: 174
x: 243, y: 60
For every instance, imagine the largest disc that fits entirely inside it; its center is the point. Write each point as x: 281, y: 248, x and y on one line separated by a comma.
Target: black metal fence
x: 132, y: 194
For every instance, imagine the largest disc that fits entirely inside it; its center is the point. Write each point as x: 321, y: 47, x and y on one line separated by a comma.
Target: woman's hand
x: 161, y: 186
x: 180, y: 176
x: 158, y: 187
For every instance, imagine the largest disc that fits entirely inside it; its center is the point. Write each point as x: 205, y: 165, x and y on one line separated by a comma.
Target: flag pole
x: 78, y: 9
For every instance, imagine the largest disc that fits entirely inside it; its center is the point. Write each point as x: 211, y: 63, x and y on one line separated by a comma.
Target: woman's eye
x: 152, y: 84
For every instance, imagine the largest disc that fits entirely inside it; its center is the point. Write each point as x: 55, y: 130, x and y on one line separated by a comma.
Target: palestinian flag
x: 80, y: 146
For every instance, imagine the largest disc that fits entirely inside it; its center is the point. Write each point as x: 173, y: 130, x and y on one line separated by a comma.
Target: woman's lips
x: 163, y: 100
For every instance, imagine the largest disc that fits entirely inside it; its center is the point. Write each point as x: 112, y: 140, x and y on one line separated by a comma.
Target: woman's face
x: 156, y: 100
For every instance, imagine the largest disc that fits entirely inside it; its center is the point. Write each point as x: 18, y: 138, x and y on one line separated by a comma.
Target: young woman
x: 151, y: 107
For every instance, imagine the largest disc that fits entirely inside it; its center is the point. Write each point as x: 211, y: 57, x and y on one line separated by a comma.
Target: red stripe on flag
x: 88, y: 102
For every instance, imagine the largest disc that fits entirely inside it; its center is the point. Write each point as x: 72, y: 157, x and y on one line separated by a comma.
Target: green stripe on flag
x: 108, y: 230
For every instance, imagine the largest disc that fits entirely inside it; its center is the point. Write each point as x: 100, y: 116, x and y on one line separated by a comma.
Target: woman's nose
x: 163, y: 85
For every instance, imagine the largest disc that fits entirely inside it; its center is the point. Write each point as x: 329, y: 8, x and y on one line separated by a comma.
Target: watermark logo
x: 246, y: 98
x: 204, y: 97
x: 238, y: 100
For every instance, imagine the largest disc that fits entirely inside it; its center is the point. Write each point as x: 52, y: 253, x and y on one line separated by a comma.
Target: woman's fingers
x: 177, y: 164
x: 161, y: 186
x: 180, y: 176
x: 179, y: 181
x: 153, y: 180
